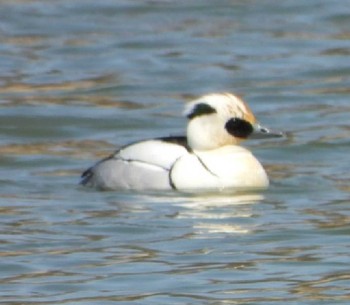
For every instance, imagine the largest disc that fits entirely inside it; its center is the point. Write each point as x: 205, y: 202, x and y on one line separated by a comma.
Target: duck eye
x: 239, y: 128
x: 201, y: 109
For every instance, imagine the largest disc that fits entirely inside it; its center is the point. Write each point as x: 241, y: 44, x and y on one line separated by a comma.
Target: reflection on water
x: 216, y: 213
x: 80, y: 78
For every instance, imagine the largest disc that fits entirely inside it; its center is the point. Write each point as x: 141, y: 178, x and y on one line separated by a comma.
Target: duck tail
x: 86, y: 176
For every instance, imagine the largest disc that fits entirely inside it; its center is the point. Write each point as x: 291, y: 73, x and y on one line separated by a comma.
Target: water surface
x: 80, y: 78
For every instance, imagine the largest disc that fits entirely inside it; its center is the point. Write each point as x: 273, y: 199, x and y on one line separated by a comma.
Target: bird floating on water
x: 208, y: 158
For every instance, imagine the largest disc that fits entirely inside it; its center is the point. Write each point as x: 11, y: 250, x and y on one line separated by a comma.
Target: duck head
x: 220, y: 119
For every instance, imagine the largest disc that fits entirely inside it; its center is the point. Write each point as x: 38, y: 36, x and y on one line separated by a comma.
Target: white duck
x: 208, y: 158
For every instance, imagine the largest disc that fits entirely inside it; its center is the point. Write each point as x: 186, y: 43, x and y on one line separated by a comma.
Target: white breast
x: 226, y: 167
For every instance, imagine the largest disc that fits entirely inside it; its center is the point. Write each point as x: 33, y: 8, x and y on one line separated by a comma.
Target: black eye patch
x: 239, y: 128
x: 201, y: 109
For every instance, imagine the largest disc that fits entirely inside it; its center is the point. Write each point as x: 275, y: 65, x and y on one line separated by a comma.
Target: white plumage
x: 207, y: 158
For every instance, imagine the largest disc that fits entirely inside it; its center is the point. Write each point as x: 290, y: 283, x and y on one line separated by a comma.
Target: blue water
x: 80, y: 78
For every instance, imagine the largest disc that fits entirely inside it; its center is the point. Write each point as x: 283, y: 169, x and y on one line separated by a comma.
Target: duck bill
x: 261, y: 132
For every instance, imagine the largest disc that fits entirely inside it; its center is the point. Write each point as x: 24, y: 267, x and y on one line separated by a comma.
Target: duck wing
x: 141, y: 165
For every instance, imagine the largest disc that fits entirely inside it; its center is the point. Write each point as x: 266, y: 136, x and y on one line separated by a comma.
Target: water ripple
x: 79, y: 79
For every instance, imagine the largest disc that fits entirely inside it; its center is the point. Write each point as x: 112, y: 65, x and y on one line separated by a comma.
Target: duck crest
x: 200, y: 109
